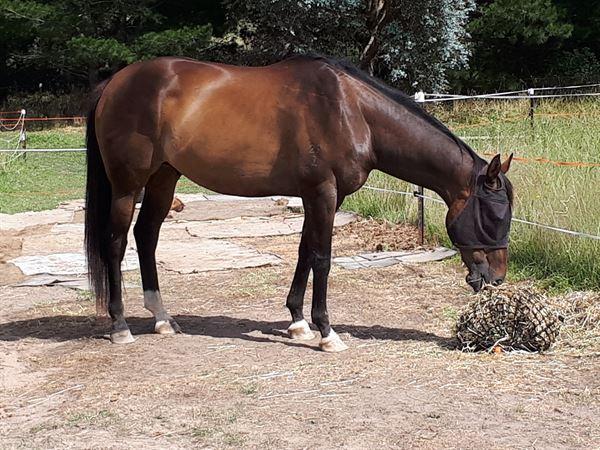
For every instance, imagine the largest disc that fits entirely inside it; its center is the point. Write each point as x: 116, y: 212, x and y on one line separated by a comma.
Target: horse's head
x: 479, y: 225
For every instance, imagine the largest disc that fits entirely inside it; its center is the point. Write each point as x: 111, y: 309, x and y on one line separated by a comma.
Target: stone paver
x: 185, y: 246
x: 385, y: 259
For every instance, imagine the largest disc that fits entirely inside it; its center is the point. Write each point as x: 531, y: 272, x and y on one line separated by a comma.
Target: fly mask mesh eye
x: 484, y: 222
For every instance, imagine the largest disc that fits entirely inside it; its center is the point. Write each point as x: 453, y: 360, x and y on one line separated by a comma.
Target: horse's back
x: 249, y: 131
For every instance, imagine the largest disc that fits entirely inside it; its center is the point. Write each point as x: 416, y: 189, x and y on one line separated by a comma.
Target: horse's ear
x: 493, y: 169
x: 506, y: 164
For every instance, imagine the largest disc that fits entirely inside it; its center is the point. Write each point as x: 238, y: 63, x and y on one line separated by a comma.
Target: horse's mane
x: 398, y: 97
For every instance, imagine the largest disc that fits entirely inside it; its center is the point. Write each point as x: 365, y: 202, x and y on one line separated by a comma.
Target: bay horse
x: 307, y: 126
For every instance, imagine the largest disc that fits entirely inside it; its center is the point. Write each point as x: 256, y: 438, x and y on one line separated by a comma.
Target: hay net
x: 514, y: 318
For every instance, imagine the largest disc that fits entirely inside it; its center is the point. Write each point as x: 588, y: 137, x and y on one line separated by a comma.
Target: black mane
x: 399, y: 97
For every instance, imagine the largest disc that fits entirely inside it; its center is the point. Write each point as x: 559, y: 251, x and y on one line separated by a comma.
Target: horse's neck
x: 408, y: 147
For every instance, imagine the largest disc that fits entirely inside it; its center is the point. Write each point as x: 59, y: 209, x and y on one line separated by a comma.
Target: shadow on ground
x: 66, y: 328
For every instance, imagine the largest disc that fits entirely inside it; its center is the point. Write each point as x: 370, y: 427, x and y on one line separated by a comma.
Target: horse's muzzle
x: 477, y: 280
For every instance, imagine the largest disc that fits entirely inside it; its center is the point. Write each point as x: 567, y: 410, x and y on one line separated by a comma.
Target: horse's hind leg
x: 121, y: 213
x: 155, y: 207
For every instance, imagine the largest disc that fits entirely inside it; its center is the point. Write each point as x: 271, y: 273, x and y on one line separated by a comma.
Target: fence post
x: 420, y: 214
x: 420, y: 98
x: 23, y: 134
x: 530, y: 93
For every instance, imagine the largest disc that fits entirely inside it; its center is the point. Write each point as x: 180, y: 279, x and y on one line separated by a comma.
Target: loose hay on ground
x: 580, y: 333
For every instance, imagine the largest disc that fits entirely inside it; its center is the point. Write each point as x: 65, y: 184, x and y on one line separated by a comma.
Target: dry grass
x: 580, y: 334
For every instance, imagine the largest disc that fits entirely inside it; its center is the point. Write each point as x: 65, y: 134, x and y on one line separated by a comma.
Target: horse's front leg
x: 299, y: 328
x: 320, y: 207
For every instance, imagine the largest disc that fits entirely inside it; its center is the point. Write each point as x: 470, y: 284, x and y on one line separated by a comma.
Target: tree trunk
x: 377, y: 18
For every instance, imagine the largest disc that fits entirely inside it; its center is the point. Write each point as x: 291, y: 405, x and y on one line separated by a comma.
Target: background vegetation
x: 65, y: 46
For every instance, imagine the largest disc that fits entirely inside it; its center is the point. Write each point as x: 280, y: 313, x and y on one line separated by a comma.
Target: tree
x: 410, y: 44
x: 422, y: 42
x: 83, y: 40
x: 516, y: 42
x: 579, y: 60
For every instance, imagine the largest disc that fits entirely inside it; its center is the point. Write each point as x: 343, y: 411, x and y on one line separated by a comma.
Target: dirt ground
x: 234, y: 380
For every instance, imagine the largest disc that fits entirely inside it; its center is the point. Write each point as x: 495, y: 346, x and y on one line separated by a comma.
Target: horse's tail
x: 97, y: 212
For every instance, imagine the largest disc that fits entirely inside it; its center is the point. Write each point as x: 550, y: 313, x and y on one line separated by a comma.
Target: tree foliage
x: 429, y: 44
x: 82, y: 40
x: 188, y: 41
x: 520, y: 43
x: 412, y: 44
x: 518, y: 22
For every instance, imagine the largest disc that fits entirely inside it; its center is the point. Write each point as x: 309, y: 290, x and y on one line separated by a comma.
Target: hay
x: 580, y: 330
x: 507, y: 319
x: 581, y: 310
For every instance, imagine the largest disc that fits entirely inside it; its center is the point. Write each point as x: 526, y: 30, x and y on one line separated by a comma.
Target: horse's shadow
x: 65, y: 328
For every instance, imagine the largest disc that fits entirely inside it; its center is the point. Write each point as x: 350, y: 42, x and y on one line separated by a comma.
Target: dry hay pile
x: 580, y: 331
x: 508, y: 318
x: 581, y: 310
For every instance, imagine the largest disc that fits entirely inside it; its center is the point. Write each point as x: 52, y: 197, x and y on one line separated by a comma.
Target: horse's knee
x: 321, y: 263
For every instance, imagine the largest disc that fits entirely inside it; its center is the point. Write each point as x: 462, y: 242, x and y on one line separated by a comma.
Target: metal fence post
x: 530, y: 93
x: 420, y: 98
x: 421, y: 214
x: 23, y: 135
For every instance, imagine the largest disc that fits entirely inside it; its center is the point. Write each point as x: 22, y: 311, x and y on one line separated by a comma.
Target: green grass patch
x: 89, y: 418
x: 64, y: 137
x: 40, y: 181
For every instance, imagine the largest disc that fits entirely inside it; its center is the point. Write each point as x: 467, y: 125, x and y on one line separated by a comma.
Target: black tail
x: 97, y: 213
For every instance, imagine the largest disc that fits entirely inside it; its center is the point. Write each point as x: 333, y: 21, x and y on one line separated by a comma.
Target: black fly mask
x: 484, y: 223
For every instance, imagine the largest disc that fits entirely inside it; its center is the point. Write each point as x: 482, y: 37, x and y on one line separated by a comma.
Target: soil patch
x: 378, y: 235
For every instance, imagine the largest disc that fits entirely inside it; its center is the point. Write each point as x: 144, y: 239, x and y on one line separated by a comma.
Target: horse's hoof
x: 332, y: 343
x: 300, y: 331
x: 121, y: 337
x: 166, y: 327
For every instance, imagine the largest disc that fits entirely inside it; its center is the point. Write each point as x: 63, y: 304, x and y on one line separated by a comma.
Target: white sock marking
x: 300, y: 324
x: 332, y: 337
